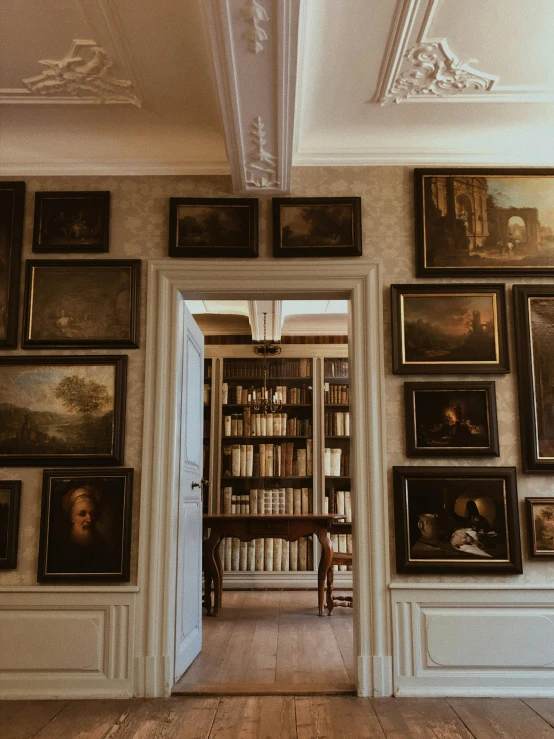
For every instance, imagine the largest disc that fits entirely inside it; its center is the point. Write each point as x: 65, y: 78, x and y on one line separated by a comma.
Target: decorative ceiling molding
x: 330, y: 156
x: 274, y: 319
x: 256, y: 91
x: 114, y: 167
x: 254, y: 14
x: 418, y: 67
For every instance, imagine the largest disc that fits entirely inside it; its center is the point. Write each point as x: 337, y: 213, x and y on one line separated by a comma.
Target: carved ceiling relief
x: 82, y: 73
x: 254, y: 13
x: 261, y: 168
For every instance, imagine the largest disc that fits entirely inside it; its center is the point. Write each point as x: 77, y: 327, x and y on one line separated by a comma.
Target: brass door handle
x: 195, y: 485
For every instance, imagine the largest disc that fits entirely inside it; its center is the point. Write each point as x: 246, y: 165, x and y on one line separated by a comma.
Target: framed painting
x: 534, y: 324
x: 87, y: 303
x: 317, y: 227
x: 452, y: 328
x: 62, y: 410
x: 540, y: 523
x: 72, y: 222
x: 10, y: 499
x: 452, y: 520
x: 482, y: 222
x: 451, y: 419
x: 85, y: 525
x: 213, y: 227
x: 12, y: 203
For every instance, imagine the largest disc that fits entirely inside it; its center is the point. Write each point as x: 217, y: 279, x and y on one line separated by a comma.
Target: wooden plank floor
x: 280, y: 717
x: 267, y: 642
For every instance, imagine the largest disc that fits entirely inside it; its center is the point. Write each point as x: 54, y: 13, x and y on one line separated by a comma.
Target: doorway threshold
x: 210, y: 689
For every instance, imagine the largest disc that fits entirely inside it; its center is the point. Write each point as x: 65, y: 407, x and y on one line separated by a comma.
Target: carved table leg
x: 330, y: 578
x: 212, y: 575
x: 324, y: 565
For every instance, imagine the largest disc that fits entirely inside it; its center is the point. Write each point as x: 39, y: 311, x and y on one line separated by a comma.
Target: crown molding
x: 274, y: 311
x: 114, y: 168
x: 256, y: 80
x: 421, y: 157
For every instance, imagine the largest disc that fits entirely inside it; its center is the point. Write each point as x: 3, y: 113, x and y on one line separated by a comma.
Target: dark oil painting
x: 456, y: 521
x: 485, y: 222
x: 12, y: 197
x: 61, y: 409
x: 71, y: 222
x: 82, y: 303
x: 541, y: 311
x: 86, y: 515
x: 10, y: 497
x: 540, y: 519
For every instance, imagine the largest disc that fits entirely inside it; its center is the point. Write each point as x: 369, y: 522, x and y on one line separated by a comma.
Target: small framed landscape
x: 12, y: 203
x: 452, y: 328
x: 10, y: 499
x: 484, y: 222
x: 88, y: 303
x: 62, y: 410
x: 71, y: 222
x: 450, y: 419
x: 540, y: 523
x: 456, y: 520
x: 85, y: 526
x: 317, y: 227
x: 213, y: 227
x: 534, y: 324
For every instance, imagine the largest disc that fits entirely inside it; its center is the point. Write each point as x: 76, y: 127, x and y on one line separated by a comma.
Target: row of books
x: 240, y: 395
x: 269, y: 460
x: 266, y: 555
x: 336, y: 462
x: 254, y: 368
x: 294, y: 501
x: 339, y: 501
x: 335, y: 367
x: 265, y: 424
x: 337, y: 423
x: 342, y: 543
x: 335, y: 394
x: 207, y: 393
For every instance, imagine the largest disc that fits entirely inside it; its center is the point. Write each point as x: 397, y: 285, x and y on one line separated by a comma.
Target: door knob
x: 195, y: 485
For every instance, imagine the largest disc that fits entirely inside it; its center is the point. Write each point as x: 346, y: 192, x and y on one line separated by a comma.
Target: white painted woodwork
x: 188, y: 595
x: 465, y: 639
x: 168, y: 284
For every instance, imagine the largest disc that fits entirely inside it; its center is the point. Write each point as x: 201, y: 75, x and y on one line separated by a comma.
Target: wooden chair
x: 339, y: 558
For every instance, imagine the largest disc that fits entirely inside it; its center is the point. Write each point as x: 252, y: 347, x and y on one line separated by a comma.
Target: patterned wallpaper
x: 139, y: 226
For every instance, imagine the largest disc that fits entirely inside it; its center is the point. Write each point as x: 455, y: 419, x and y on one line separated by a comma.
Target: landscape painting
x: 451, y: 328
x: 62, y: 410
x: 213, y: 227
x: 82, y: 303
x: 316, y: 227
x: 71, y: 222
x: 12, y: 200
x: 540, y: 520
x: 478, y: 222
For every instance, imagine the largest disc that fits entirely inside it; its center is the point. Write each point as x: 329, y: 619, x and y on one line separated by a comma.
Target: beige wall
x: 139, y: 224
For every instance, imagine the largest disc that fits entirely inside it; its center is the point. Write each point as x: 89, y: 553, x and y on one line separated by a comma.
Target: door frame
x: 169, y: 284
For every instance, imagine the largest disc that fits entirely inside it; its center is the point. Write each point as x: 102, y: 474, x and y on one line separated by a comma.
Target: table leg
x: 212, y: 575
x: 325, y: 563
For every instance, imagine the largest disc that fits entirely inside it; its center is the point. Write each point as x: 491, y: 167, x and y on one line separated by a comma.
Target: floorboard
x: 90, y: 719
x: 255, y: 718
x: 170, y: 718
x: 543, y: 706
x: 500, y: 718
x: 419, y: 718
x: 336, y: 717
x: 23, y: 719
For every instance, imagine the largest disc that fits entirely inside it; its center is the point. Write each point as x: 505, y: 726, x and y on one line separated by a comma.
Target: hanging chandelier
x: 262, y: 400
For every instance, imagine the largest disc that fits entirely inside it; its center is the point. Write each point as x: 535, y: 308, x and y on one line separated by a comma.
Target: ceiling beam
x: 274, y: 319
x: 255, y: 46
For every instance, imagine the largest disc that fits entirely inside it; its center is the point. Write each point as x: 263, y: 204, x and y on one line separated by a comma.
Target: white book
x: 260, y: 548
x: 227, y: 425
x: 335, y: 462
x: 227, y: 493
x: 339, y: 502
x: 251, y: 556
x: 238, y: 394
x: 249, y: 460
x: 243, y: 556
x: 347, y: 423
x: 275, y: 502
x: 235, y: 460
x: 342, y: 548
x: 327, y: 462
x: 277, y: 456
x: 225, y: 393
x: 240, y: 427
x: 234, y: 509
x: 301, y: 462
x: 228, y: 553
x: 285, y: 556
x: 277, y: 424
x: 235, y: 555
x: 268, y: 555
x: 269, y: 460
x: 263, y: 472
x: 302, y: 554
x: 263, y: 424
x: 348, y: 505
x: 305, y: 498
x: 309, y: 458
x: 293, y: 559
x: 234, y: 431
x: 289, y: 507
x: 253, y: 495
x: 261, y: 502
x: 277, y: 554
x: 243, y: 460
x: 284, y: 423
x: 297, y: 501
x: 256, y: 425
x: 340, y: 423
x: 282, y: 501
x: 326, y: 505
x: 269, y: 424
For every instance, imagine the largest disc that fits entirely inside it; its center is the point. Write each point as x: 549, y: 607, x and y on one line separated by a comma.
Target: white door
x: 188, y: 617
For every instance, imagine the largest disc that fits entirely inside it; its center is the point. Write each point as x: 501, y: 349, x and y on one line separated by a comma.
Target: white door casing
x: 169, y: 283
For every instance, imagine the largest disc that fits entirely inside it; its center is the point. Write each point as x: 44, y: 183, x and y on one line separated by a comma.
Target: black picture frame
x: 213, y: 227
x: 534, y: 333
x: 72, y: 222
x: 10, y: 501
x: 451, y: 419
x: 449, y: 329
x: 483, y: 221
x: 456, y: 520
x: 82, y: 303
x: 333, y: 229
x: 12, y: 208
x: 540, y: 527
x: 63, y: 410
x: 85, y: 526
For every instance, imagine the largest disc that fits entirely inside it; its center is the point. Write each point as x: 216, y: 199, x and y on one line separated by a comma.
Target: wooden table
x: 248, y: 527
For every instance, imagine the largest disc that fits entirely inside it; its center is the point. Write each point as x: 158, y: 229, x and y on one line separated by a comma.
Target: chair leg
x: 330, y: 576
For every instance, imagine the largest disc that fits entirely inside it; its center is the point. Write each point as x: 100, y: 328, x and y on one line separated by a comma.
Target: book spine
x: 260, y: 548
x: 268, y: 555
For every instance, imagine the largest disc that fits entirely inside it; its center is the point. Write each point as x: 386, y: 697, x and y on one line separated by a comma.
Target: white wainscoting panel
x: 72, y: 644
x: 473, y: 640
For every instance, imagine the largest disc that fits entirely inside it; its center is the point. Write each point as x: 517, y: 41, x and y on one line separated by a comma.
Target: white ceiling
x: 205, y: 72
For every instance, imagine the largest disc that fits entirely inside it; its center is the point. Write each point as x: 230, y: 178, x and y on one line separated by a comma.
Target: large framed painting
x: 452, y: 520
x: 317, y: 227
x: 88, y: 303
x: 452, y: 328
x: 540, y: 526
x: 62, y: 410
x: 534, y: 324
x: 10, y: 500
x: 451, y: 419
x: 85, y: 525
x: 482, y: 222
x: 72, y: 222
x: 12, y: 203
x: 213, y: 227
